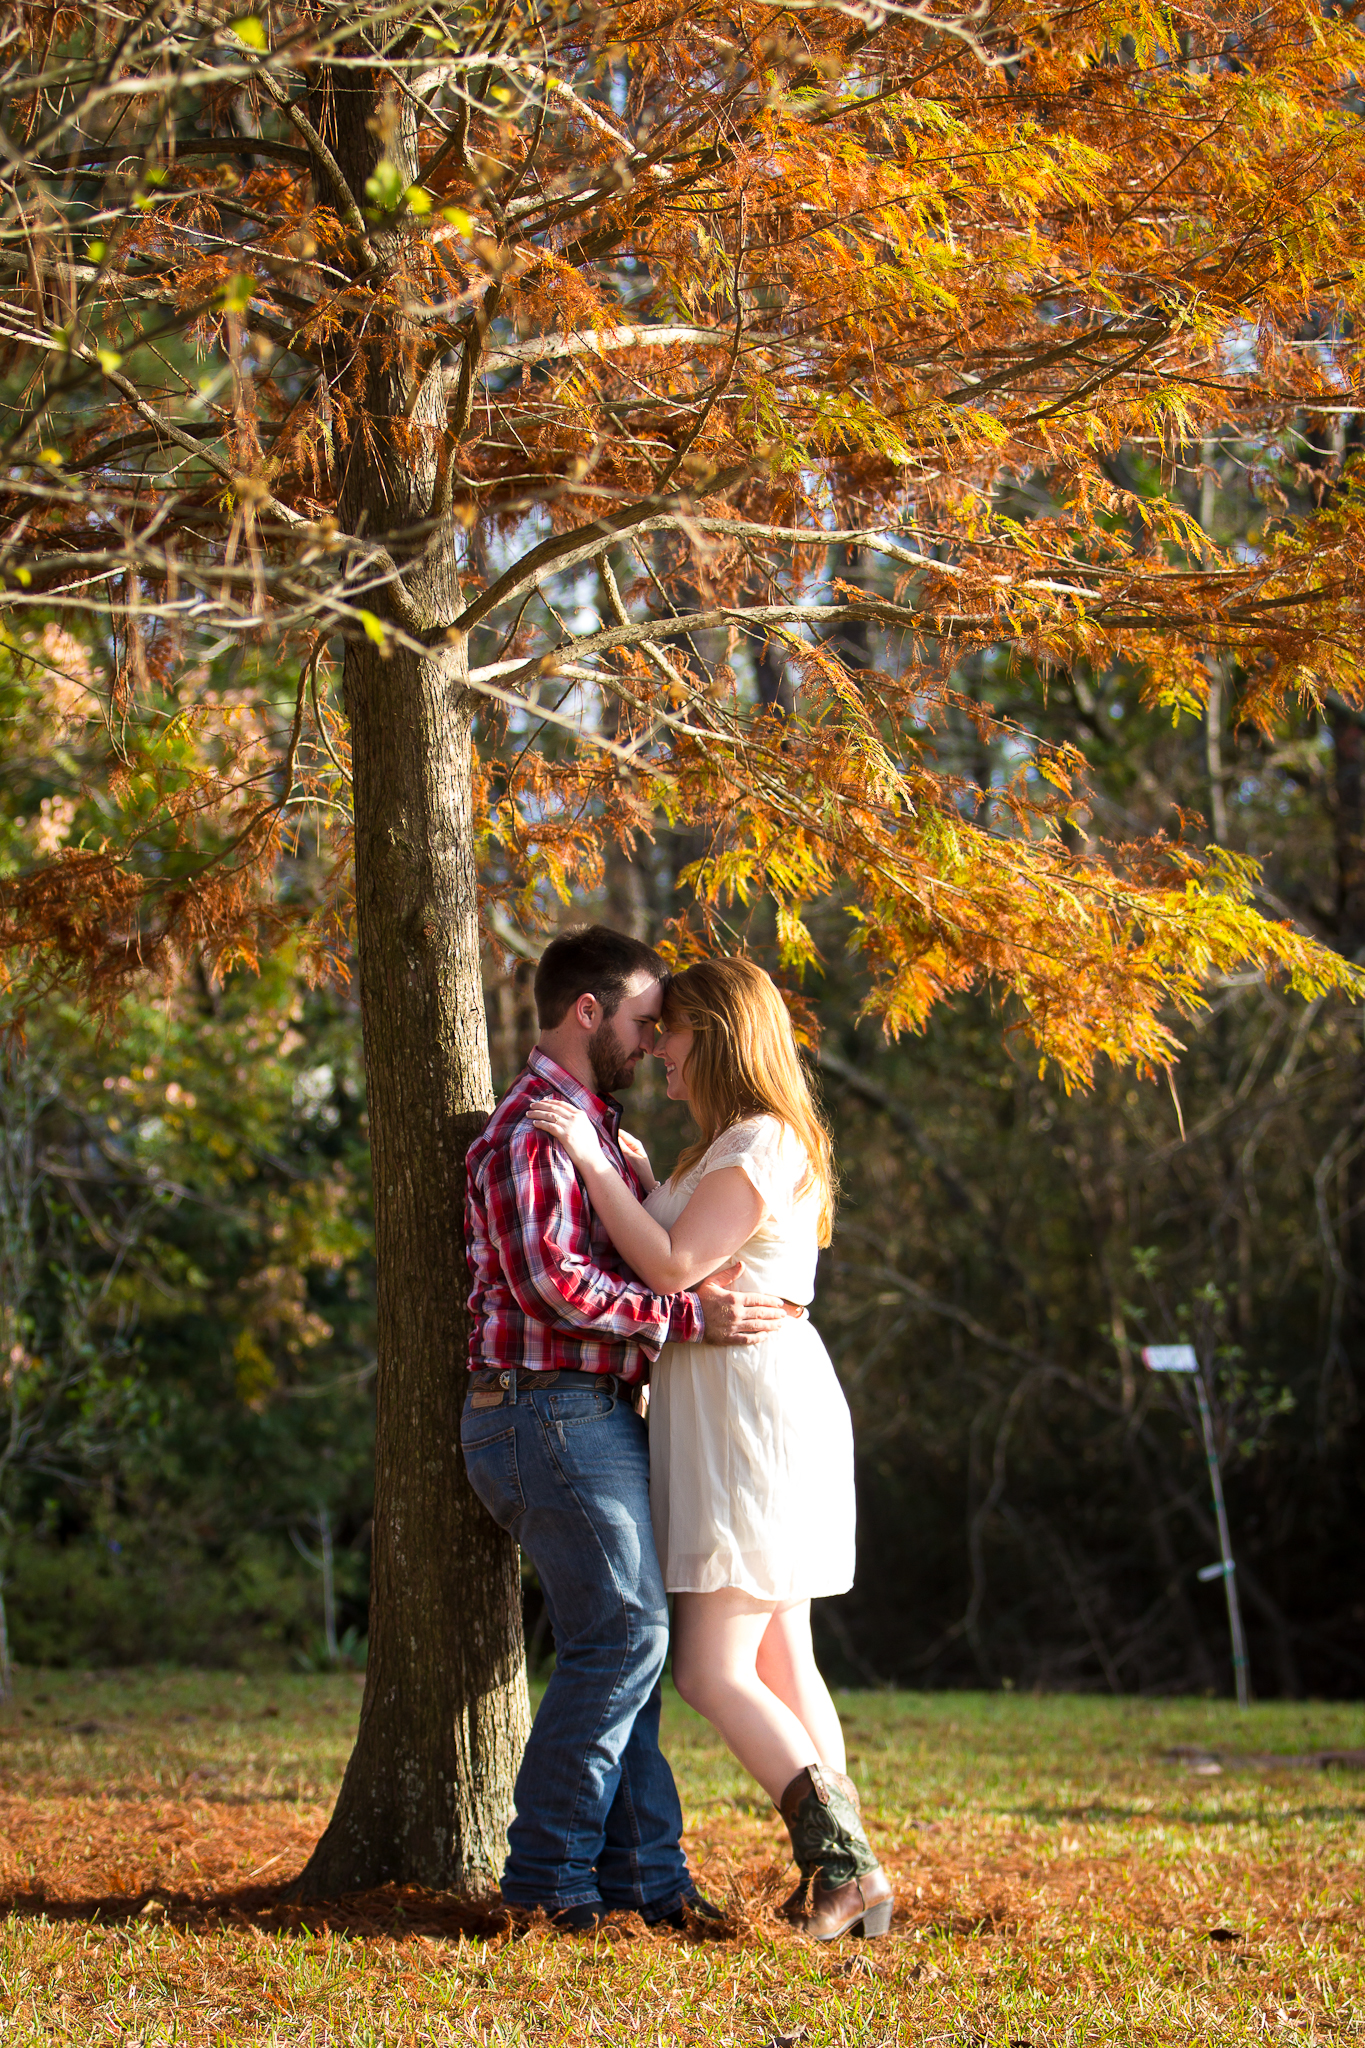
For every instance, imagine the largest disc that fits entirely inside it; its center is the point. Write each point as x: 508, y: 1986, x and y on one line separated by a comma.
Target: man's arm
x: 538, y: 1224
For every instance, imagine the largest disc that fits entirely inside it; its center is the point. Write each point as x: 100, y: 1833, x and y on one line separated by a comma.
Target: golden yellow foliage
x: 691, y: 305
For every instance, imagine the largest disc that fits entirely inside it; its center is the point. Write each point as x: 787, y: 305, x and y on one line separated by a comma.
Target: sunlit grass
x: 1061, y: 1881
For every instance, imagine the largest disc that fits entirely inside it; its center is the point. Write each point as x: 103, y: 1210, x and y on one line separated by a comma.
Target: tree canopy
x: 723, y: 346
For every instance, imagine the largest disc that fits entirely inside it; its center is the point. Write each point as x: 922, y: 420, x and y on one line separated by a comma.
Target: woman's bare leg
x: 717, y: 1639
x: 786, y: 1664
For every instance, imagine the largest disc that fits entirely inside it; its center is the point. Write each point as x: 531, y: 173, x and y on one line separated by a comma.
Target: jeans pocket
x: 583, y: 1405
x: 491, y: 1463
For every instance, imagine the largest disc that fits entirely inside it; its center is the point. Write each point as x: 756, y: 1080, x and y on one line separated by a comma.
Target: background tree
x: 346, y: 332
x: 63, y: 1364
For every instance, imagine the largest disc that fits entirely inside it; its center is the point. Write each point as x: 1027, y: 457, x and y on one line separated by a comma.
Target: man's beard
x: 610, y: 1062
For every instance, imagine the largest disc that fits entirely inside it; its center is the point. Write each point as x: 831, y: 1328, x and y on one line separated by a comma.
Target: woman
x: 751, y: 1452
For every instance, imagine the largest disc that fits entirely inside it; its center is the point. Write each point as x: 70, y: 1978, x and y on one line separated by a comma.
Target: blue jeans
x: 565, y: 1469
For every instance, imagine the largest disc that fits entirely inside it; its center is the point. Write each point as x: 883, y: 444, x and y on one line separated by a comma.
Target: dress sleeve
x: 768, y: 1153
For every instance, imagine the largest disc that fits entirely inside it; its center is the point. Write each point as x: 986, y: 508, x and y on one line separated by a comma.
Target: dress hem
x: 765, y: 1592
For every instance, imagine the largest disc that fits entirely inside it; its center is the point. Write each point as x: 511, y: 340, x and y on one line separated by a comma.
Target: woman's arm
x: 723, y: 1214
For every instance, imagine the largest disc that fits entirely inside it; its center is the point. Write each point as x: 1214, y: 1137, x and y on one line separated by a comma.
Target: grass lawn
x: 1060, y: 1881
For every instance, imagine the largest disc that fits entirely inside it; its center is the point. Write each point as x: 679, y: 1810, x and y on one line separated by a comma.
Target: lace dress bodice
x: 781, y: 1255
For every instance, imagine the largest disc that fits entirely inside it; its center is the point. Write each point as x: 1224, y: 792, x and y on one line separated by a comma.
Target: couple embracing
x: 589, y: 1279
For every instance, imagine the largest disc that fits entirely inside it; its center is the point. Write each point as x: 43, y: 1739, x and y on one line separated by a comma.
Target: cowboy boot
x: 847, y: 1888
x: 794, y: 1905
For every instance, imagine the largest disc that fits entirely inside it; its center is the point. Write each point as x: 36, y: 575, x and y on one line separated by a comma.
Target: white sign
x: 1170, y: 1358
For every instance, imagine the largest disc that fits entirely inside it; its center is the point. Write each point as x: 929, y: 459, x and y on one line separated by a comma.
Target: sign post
x: 1181, y: 1358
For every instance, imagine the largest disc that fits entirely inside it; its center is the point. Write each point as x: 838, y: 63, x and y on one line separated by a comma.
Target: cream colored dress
x: 750, y: 1446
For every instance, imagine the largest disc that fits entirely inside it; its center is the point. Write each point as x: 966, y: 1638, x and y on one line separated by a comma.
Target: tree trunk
x: 427, y: 1792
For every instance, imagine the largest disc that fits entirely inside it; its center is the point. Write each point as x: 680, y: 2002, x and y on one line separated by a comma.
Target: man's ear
x: 588, y: 1012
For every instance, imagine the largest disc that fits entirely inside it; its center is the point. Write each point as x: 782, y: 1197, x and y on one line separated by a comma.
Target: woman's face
x: 675, y: 1043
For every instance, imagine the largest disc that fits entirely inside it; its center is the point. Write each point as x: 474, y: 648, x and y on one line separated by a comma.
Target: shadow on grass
x: 392, y: 1910
x: 193, y: 1786
x: 397, y: 1912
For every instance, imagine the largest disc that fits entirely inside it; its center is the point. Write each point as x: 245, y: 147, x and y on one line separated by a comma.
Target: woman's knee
x: 783, y: 1673
x: 690, y: 1678
x: 773, y: 1661
x: 786, y: 1649
x: 703, y: 1680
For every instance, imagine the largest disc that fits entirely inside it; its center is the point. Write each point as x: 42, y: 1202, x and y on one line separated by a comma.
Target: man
x: 562, y: 1336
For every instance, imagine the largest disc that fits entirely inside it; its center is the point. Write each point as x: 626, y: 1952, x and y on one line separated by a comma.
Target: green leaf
x: 385, y: 186
x: 236, y: 293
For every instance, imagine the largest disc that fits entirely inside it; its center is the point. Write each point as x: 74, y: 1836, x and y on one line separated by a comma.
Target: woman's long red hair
x: 744, y: 1062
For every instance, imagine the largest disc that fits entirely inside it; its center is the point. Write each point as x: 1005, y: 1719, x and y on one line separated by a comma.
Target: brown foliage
x: 701, y: 307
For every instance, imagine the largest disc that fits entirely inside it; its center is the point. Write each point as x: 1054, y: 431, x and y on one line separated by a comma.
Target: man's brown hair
x: 592, y: 961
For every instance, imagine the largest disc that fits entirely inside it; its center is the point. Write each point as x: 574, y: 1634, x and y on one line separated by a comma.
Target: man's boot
x: 843, y: 1889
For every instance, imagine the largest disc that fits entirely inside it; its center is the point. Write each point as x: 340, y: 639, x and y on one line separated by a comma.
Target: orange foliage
x: 680, y: 300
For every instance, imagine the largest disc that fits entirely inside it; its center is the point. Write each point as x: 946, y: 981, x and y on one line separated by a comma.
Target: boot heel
x: 876, y: 1920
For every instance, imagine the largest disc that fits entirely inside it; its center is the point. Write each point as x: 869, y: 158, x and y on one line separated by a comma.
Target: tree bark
x: 427, y: 1792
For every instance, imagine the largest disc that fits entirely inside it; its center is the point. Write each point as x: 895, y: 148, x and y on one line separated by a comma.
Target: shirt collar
x: 604, y: 1110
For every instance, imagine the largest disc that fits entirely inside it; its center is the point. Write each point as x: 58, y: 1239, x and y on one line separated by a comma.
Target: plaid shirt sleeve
x: 540, y: 1225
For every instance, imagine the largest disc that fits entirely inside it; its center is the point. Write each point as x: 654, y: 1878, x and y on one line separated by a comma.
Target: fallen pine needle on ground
x: 1069, y: 1870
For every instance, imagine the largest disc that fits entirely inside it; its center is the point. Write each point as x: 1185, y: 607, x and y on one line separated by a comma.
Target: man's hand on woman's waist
x: 732, y: 1318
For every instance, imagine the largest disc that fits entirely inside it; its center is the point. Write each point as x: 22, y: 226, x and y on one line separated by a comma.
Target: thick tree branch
x: 566, y: 551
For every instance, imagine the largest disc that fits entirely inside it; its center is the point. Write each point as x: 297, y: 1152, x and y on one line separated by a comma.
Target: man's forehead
x: 644, y: 998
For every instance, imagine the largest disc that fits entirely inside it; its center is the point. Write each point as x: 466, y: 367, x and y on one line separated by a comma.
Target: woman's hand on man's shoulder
x: 636, y: 1157
x: 571, y: 1127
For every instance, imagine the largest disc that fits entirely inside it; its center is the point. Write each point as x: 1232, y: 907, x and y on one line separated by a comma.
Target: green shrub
x: 150, y: 1592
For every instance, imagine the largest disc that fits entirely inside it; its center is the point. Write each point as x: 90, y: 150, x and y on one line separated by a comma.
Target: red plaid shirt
x: 550, y: 1291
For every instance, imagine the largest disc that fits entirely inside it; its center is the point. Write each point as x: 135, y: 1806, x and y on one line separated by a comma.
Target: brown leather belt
x: 526, y: 1376
x: 490, y: 1383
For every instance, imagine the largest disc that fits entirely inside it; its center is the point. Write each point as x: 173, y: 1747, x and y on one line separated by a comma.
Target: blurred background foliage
x: 196, y: 1186
x: 187, y: 1308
